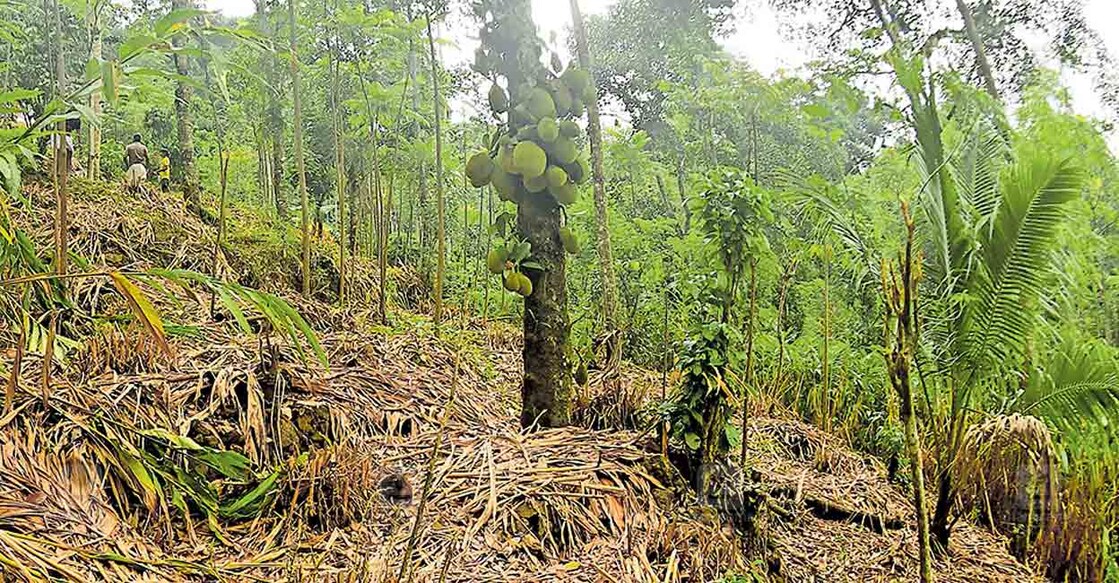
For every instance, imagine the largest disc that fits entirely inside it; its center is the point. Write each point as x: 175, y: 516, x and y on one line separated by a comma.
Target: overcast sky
x: 756, y: 39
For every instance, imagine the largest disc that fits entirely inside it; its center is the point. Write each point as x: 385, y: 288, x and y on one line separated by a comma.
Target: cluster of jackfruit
x: 539, y: 153
x: 499, y: 262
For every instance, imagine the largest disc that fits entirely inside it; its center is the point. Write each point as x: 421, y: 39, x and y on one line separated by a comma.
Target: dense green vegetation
x: 910, y: 240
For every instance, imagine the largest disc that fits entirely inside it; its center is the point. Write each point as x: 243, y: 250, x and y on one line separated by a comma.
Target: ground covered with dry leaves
x: 242, y: 458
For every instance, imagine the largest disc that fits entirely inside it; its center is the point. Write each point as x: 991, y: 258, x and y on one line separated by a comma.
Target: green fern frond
x: 1014, y: 258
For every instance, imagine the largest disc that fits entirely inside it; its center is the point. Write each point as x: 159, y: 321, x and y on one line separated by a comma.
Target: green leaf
x: 143, y: 310
x: 175, y: 21
x: 250, y: 503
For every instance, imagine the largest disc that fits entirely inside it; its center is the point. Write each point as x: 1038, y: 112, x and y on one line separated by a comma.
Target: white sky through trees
x: 756, y: 39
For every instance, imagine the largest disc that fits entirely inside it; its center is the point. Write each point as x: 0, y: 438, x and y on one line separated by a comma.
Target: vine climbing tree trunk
x: 184, y: 95
x: 297, y: 121
x: 605, y: 255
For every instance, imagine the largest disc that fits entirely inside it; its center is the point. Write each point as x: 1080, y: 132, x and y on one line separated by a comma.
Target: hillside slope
x: 240, y: 457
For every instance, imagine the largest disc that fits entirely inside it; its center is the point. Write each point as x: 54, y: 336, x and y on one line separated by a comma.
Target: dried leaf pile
x: 238, y: 460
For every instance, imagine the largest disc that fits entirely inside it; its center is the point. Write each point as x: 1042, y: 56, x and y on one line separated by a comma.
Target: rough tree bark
x: 184, y: 95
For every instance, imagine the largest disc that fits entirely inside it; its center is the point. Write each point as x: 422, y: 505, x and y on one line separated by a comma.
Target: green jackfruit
x: 505, y: 159
x: 525, y: 287
x: 563, y: 99
x: 570, y: 243
x: 564, y: 150
x: 556, y: 176
x: 578, y: 80
x: 566, y: 194
x: 577, y: 108
x: 512, y: 281
x: 505, y: 184
x: 540, y: 104
x: 575, y: 172
x: 495, y: 261
x: 529, y: 160
x: 479, y: 168
x: 569, y: 129
x: 499, y: 101
x: 548, y: 130
x: 536, y: 184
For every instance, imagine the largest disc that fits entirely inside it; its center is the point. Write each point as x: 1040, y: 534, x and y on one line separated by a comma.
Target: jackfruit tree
x: 534, y: 160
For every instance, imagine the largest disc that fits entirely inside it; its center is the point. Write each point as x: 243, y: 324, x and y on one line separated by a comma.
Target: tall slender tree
x: 184, y: 95
x: 339, y: 154
x: 440, y: 204
x: 301, y: 170
x: 602, y: 222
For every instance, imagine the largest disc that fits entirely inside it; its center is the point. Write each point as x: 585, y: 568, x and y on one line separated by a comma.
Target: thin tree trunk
x: 901, y: 303
x: 297, y: 121
x: 93, y: 20
x: 977, y: 46
x: 605, y: 254
x: 184, y: 95
x: 749, y: 350
x: 339, y: 162
x: 441, y: 242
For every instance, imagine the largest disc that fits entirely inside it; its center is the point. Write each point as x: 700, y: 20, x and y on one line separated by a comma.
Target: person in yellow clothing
x: 164, y: 170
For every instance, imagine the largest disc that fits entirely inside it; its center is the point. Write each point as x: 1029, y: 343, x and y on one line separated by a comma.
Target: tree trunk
x: 605, y: 255
x: 901, y: 303
x: 339, y: 162
x: 93, y: 20
x: 297, y: 121
x: 441, y: 239
x: 981, y: 62
x: 547, y: 390
x: 749, y: 352
x: 273, y: 119
x: 184, y: 94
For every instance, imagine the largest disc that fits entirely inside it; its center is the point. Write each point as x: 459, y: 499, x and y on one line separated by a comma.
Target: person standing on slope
x: 136, y: 162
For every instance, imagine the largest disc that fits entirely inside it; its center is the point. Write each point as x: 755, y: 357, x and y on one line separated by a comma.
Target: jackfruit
x: 569, y: 129
x: 574, y: 172
x: 529, y: 160
x: 499, y: 101
x: 577, y: 108
x: 566, y: 194
x: 577, y: 79
x: 540, y: 104
x: 495, y: 261
x: 505, y: 159
x: 536, y: 183
x: 525, y: 288
x: 512, y: 281
x: 548, y: 130
x: 505, y: 184
x: 564, y: 150
x: 570, y: 243
x: 556, y: 176
x: 479, y: 168
x: 563, y: 99
x: 527, y: 134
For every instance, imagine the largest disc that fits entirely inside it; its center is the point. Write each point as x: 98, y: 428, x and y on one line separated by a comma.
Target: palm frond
x: 1014, y: 258
x: 1093, y: 404
x: 976, y: 171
